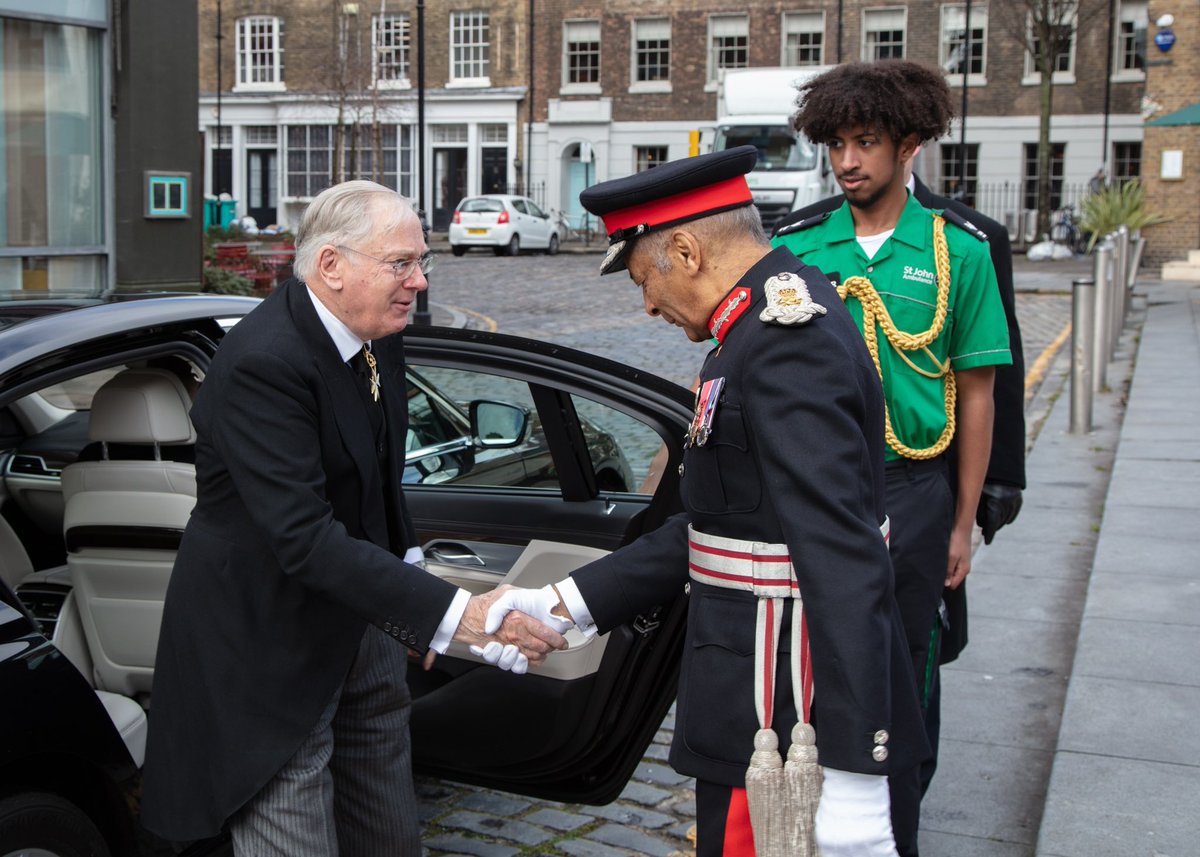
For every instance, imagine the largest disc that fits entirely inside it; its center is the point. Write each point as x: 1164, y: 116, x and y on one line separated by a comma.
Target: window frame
x: 403, y: 79
x: 978, y: 12
x: 1059, y: 78
x: 949, y: 153
x: 1126, y: 14
x: 470, y: 22
x: 566, y: 85
x: 714, y: 68
x: 866, y: 44
x: 658, y: 84
x: 244, y: 52
x: 643, y: 158
x: 1029, y: 178
x: 1119, y: 175
x: 785, y: 32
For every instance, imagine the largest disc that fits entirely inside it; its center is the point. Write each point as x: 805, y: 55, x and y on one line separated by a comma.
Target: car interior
x: 98, y: 483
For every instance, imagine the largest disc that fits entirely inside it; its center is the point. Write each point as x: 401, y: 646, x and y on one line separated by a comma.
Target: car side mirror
x: 498, y: 425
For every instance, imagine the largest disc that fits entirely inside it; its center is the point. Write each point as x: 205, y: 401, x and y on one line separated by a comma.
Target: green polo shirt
x: 903, y: 272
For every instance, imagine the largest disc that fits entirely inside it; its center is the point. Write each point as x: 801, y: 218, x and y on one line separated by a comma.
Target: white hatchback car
x: 506, y: 223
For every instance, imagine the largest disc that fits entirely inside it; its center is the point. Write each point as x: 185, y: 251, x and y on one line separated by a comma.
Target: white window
x: 1131, y: 41
x: 648, y: 157
x: 469, y: 35
x: 963, y: 49
x: 883, y: 34
x: 311, y: 151
x: 390, y: 34
x: 1062, y: 62
x: 728, y: 43
x: 651, y: 55
x: 581, y: 56
x: 259, y: 53
x: 261, y: 135
x: 803, y: 38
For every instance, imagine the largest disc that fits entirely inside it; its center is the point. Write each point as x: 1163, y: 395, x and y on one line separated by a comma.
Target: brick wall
x: 1172, y: 87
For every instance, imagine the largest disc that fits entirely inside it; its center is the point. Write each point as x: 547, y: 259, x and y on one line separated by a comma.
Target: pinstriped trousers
x: 348, y: 791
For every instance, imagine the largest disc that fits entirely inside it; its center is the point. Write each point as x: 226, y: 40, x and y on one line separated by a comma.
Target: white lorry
x: 755, y: 107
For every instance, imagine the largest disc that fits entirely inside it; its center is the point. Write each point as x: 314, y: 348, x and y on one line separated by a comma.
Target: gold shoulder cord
x: 875, y: 313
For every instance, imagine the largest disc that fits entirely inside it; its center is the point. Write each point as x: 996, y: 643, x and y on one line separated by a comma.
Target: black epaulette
x: 786, y: 228
x: 962, y: 223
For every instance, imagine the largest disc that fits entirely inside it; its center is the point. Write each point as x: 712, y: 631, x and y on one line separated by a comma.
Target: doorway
x: 261, y: 186
x: 449, y: 184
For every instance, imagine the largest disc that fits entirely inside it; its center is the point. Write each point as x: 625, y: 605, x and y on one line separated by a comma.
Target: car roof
x: 61, y: 326
x: 506, y: 197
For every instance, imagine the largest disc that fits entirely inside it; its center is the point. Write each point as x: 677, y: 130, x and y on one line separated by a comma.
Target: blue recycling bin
x: 228, y: 212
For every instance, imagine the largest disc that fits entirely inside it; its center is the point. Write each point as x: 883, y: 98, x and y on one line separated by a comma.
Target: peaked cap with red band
x: 668, y: 195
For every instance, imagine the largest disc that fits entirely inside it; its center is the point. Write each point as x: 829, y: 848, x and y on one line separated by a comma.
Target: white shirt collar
x: 343, y: 338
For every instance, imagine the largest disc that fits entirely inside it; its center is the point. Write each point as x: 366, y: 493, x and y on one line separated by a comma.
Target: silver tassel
x: 766, y: 797
x: 802, y: 782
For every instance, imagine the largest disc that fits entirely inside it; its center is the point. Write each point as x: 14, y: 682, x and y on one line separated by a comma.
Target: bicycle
x: 1065, y: 231
x: 568, y: 232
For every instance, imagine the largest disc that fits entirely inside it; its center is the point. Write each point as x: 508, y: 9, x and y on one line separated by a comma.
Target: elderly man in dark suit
x: 280, y: 703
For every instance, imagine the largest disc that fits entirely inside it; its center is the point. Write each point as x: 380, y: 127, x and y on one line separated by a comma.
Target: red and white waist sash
x: 765, y: 570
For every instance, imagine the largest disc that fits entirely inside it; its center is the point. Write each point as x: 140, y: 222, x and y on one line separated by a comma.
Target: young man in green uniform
x: 923, y: 292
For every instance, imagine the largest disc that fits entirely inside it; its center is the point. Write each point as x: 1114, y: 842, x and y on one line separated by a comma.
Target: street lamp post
x: 421, y: 316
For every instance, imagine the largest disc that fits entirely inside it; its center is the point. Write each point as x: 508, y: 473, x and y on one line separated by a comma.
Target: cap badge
x: 788, y: 300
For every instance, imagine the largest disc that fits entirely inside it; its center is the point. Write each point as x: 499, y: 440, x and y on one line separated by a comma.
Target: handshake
x: 511, y: 627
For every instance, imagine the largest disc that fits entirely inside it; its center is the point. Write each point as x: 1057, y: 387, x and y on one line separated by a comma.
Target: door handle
x: 452, y: 553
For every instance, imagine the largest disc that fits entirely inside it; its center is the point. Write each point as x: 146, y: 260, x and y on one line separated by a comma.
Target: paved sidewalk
x: 1127, y: 763
x: 1068, y: 722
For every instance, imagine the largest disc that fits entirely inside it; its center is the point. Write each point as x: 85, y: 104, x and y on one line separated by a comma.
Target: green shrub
x: 225, y: 282
x: 1120, y: 204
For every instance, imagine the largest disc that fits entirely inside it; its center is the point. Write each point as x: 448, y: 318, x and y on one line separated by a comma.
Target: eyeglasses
x: 402, y: 268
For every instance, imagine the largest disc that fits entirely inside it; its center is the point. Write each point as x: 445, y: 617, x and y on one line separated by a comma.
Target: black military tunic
x: 795, y: 456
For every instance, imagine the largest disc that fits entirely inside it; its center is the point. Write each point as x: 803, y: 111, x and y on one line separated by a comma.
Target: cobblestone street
x: 563, y: 300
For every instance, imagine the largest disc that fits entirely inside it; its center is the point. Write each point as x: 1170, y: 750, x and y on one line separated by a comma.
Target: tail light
x: 457, y: 217
x: 503, y: 218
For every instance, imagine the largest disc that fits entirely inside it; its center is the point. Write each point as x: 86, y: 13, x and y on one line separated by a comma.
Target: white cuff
x: 573, y: 601
x: 415, y: 556
x: 450, y: 622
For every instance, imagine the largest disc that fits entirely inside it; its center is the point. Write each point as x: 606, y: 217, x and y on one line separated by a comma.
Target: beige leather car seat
x: 123, y: 522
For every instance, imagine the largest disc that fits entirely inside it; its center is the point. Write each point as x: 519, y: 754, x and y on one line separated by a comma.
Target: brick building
x: 627, y: 81
x: 296, y: 94
x: 555, y: 95
x: 1172, y: 147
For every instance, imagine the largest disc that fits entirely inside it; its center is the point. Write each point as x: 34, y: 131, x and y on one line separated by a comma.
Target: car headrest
x: 142, y: 406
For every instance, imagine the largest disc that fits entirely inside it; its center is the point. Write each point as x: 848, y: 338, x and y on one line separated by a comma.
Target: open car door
x: 574, y: 485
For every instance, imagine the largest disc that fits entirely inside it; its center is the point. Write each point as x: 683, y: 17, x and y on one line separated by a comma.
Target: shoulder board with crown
x: 786, y: 228
x: 952, y: 216
x: 788, y: 300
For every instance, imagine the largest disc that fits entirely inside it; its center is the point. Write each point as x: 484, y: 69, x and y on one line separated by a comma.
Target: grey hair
x: 347, y: 214
x: 737, y: 224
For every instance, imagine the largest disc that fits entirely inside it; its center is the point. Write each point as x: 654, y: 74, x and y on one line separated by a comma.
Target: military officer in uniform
x: 921, y: 287
x: 783, y: 486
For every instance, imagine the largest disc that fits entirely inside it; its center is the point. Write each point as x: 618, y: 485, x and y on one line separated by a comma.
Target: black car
x: 525, y: 459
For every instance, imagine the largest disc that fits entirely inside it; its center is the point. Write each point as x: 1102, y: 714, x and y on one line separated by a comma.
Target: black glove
x: 998, y: 505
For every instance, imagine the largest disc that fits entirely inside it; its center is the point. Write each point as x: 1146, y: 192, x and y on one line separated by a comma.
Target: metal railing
x: 1099, y: 309
x: 1010, y: 203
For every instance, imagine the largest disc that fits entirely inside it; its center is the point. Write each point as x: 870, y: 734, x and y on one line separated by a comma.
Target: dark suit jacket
x: 285, y: 561
x: 795, y: 457
x: 1007, y: 461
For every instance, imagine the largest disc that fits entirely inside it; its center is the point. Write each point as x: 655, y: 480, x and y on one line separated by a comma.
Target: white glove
x: 505, y: 657
x: 533, y: 602
x: 854, y: 817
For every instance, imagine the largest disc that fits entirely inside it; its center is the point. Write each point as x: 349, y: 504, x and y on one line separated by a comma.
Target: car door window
x: 535, y: 211
x: 519, y: 205
x: 621, y: 449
